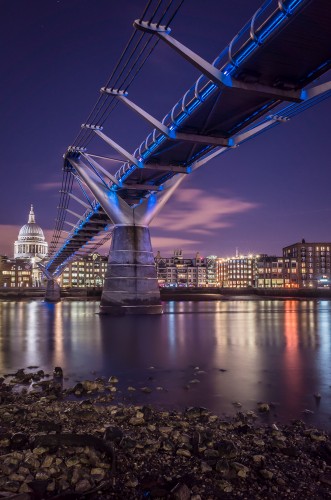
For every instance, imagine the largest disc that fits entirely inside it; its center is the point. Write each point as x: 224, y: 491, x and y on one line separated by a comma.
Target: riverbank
x: 77, y: 443
x: 177, y: 294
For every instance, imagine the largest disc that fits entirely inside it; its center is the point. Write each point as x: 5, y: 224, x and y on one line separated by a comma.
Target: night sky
x: 55, y: 56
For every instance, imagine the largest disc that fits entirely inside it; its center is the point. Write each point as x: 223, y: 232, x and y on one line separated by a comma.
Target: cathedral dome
x: 31, y: 240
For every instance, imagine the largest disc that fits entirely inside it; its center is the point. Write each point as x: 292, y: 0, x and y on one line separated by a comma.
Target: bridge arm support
x: 215, y: 75
x: 171, y: 134
x: 131, y: 285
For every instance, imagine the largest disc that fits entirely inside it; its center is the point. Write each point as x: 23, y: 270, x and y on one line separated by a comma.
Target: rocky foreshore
x: 54, y: 447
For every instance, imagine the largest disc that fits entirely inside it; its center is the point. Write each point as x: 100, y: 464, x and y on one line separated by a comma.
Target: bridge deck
x: 286, y: 52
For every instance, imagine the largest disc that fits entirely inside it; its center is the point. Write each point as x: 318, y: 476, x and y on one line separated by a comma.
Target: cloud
x: 197, y: 211
x: 48, y: 186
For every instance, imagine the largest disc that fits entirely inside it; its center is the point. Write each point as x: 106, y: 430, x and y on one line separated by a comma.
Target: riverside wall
x: 190, y: 294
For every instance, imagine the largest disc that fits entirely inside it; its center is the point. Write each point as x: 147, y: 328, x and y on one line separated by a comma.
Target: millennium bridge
x: 264, y: 77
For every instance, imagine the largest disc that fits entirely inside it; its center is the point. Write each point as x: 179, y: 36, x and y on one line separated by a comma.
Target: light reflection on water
x: 272, y: 350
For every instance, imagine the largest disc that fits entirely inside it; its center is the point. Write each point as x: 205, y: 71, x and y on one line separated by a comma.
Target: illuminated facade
x: 16, y: 273
x: 276, y: 272
x: 31, y: 242
x: 30, y: 248
x: 237, y: 272
x: 177, y: 271
x: 313, y: 261
x: 88, y: 271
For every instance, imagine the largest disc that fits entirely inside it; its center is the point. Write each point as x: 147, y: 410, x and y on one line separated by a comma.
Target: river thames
x: 212, y: 354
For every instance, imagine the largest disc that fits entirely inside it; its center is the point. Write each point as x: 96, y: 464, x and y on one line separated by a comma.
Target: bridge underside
x: 266, y: 66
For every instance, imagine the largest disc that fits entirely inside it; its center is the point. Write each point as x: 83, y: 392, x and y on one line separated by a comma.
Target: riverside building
x: 313, y: 263
x: 276, y: 272
x: 29, y: 249
x: 237, y: 272
x: 177, y: 271
x: 87, y: 271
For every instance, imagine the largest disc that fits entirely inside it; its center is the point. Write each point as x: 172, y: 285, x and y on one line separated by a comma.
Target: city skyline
x: 264, y: 195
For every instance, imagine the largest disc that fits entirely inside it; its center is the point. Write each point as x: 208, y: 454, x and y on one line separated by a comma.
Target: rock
x: 181, y: 492
x: 136, y: 421
x: 225, y: 486
x: 113, y: 380
x: 130, y: 388
x: 226, y: 449
x: 147, y: 390
x: 132, y: 482
x: 58, y: 372
x: 205, y: 467
x: 19, y: 440
x: 97, y: 473
x: 263, y: 407
x: 182, y: 452
x: 266, y: 474
x: 325, y: 479
x: 240, y: 469
x: 113, y: 434
x: 210, y: 453
x: 82, y: 486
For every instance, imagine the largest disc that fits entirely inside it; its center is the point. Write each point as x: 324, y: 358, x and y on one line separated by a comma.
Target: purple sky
x: 55, y: 56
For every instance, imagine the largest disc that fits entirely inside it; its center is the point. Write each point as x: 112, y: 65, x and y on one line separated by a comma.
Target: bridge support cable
x: 131, y: 285
x: 134, y: 56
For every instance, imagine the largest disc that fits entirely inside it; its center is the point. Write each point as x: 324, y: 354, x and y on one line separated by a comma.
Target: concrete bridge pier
x: 131, y: 285
x: 52, y: 293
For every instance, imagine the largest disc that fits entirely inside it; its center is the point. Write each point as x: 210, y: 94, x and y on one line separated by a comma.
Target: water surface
x: 251, y: 350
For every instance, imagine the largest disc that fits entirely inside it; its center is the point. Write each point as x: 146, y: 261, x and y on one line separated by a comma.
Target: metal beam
x: 168, y: 168
x: 70, y: 223
x: 105, y: 158
x: 101, y: 170
x: 171, y: 134
x: 72, y: 213
x: 215, y: 75
x: 129, y: 157
x: 79, y: 200
x: 141, y: 187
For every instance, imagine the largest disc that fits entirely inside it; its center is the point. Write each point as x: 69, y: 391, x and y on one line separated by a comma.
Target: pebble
x: 190, y: 455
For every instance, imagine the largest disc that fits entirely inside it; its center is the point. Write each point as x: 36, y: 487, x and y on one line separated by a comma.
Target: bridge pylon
x: 131, y: 285
x: 53, y: 291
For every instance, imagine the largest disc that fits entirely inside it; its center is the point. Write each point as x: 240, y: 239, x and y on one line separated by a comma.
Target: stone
x: 266, y: 474
x: 226, y: 449
x: 225, y: 486
x: 97, y: 473
x: 205, y: 467
x: 182, y: 452
x: 58, y: 372
x: 131, y: 482
x: 181, y: 492
x: 82, y: 486
x: 136, y: 421
x: 263, y: 407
